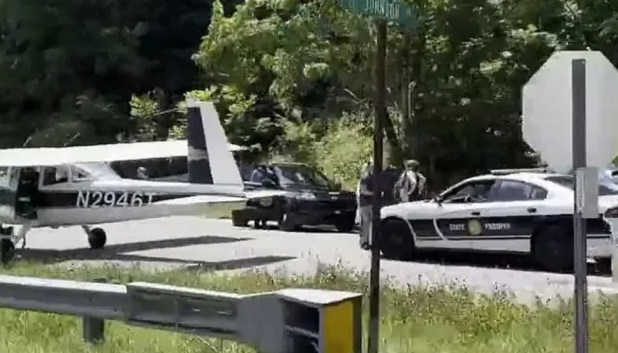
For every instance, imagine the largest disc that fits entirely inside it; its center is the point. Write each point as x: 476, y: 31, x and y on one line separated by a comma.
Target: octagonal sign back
x: 547, y: 110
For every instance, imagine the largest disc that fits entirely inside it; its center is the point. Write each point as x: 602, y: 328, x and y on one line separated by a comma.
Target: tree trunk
x: 394, y: 144
x: 415, y: 74
x: 163, y: 121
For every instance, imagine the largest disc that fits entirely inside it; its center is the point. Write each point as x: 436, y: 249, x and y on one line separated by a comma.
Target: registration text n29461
x: 91, y: 199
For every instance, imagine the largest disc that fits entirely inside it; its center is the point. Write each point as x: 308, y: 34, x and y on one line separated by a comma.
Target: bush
x: 340, y: 148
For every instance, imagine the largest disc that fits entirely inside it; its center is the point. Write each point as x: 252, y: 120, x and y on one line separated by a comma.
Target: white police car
x: 516, y: 211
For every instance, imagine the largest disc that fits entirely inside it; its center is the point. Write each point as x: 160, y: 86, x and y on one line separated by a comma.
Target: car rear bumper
x: 599, y: 246
x: 316, y: 212
x: 304, y: 212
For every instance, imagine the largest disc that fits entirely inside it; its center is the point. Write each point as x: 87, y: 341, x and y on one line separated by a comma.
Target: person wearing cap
x: 142, y: 173
x: 411, y: 183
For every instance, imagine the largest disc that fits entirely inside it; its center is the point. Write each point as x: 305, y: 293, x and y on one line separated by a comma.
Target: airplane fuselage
x: 93, y: 213
x: 76, y: 186
x: 67, y: 208
x: 76, y: 201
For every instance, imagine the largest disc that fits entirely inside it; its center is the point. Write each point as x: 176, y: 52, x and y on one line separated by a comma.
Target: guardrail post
x: 322, y: 321
x: 93, y: 329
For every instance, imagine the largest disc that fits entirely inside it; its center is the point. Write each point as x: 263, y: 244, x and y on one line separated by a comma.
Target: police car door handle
x: 531, y: 210
x: 476, y: 213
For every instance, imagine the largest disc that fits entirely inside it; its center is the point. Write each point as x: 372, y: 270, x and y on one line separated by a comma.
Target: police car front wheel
x: 396, y: 240
x: 552, y: 248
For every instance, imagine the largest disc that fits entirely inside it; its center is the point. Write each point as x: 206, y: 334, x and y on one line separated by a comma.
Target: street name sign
x: 391, y: 10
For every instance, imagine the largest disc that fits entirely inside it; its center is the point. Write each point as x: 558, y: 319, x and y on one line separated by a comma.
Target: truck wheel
x: 238, y: 219
x: 345, y: 224
x: 552, y: 248
x: 396, y: 240
x: 286, y: 223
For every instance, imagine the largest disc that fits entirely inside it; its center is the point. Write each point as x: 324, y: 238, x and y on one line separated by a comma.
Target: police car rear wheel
x: 396, y: 240
x: 552, y: 248
x: 97, y: 238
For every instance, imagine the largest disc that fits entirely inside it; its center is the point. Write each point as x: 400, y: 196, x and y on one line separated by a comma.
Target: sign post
x: 401, y: 13
x: 578, y: 127
x: 568, y: 117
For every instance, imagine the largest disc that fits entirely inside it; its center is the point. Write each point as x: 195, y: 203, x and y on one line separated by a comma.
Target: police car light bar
x: 521, y: 170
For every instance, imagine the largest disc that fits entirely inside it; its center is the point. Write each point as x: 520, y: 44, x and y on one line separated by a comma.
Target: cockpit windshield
x: 301, y: 175
x: 96, y: 170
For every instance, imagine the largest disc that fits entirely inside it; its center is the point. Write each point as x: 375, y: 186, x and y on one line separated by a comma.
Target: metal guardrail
x: 284, y: 321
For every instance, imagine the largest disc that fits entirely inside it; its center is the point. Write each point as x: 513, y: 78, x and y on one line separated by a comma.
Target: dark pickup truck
x: 312, y: 199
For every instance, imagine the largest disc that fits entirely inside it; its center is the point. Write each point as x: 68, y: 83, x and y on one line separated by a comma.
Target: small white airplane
x: 58, y: 187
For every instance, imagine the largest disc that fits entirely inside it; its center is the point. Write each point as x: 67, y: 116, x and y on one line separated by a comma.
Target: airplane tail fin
x: 209, y: 159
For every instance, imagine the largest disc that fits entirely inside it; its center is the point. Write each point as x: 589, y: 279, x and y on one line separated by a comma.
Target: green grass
x: 414, y: 320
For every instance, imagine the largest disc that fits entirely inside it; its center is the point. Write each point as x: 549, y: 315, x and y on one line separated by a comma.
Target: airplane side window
x: 79, y: 175
x: 4, y: 175
x: 178, y: 166
x: 53, y: 175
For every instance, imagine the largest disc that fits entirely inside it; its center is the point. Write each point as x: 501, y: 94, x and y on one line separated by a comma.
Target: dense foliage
x: 292, y: 77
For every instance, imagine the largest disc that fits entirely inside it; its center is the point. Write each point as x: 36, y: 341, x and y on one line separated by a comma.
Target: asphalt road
x: 215, y: 244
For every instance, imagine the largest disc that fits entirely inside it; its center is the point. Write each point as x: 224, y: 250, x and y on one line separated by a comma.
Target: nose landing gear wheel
x: 97, y: 238
x: 7, y: 250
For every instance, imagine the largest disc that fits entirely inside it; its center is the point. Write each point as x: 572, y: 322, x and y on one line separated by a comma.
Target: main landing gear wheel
x: 397, y: 242
x: 97, y: 238
x: 7, y: 250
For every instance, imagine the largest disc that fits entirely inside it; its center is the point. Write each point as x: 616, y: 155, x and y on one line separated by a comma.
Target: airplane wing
x: 202, y: 199
x: 211, y: 206
x: 215, y: 206
x: 260, y: 194
x: 50, y: 156
x: 215, y: 199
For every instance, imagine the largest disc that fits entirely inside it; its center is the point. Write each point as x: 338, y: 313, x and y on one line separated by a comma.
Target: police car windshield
x: 606, y: 185
x: 295, y: 175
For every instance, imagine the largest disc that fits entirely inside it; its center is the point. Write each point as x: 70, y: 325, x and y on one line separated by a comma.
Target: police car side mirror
x: 438, y: 199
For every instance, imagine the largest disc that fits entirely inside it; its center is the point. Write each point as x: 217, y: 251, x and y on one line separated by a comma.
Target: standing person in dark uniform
x: 365, y: 198
x: 411, y: 183
x: 388, y: 185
